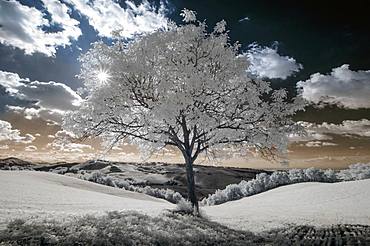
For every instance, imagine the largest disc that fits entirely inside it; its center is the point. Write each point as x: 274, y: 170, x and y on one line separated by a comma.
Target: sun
x: 103, y: 76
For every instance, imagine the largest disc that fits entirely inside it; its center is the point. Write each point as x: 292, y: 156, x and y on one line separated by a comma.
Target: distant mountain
x: 12, y: 161
x: 92, y: 165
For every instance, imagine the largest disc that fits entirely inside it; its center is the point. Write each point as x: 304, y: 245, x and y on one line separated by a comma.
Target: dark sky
x: 307, y: 41
x: 320, y: 35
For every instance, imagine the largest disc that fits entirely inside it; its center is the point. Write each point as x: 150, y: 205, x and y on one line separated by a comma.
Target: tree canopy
x: 183, y: 87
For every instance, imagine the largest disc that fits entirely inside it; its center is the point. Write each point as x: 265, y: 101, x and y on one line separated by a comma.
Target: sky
x: 316, y: 49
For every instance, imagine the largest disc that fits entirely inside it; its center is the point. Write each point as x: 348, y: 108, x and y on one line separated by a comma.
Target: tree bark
x: 191, y: 185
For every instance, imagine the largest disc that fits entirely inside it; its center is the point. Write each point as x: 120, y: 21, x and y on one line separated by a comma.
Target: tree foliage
x: 183, y: 87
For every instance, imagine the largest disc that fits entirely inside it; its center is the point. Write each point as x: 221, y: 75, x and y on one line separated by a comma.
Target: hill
x: 28, y: 193
x: 315, y: 204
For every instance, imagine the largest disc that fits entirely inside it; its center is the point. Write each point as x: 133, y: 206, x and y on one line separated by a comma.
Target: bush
x: 184, y: 207
x: 128, y: 228
x: 16, y: 168
x: 100, y: 178
x: 355, y: 172
x: 59, y: 170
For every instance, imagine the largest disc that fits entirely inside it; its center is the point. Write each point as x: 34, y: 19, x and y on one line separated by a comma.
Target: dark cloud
x: 46, y: 98
x: 6, y: 99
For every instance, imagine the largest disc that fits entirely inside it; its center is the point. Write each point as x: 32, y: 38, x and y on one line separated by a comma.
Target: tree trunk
x: 191, y: 185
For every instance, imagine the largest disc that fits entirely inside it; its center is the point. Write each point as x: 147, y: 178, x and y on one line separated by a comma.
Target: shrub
x: 184, y: 207
x: 126, y: 228
x: 104, y: 179
x: 100, y: 178
x: 59, y: 170
x: 355, y: 172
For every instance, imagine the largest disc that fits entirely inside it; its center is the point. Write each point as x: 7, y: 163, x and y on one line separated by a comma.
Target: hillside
x: 28, y: 193
x: 154, y: 174
x: 316, y: 204
x: 25, y: 193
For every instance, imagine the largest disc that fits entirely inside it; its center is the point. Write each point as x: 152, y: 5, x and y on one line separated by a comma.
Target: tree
x: 181, y: 87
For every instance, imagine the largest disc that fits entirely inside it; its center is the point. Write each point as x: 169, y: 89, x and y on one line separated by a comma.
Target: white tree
x: 181, y: 87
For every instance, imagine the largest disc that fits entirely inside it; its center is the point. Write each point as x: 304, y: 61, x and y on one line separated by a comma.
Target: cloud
x: 63, y: 142
x: 63, y: 134
x: 265, y: 62
x: 25, y: 27
x: 30, y: 148
x: 342, y: 87
x: 49, y: 99
x: 29, y: 113
x: 106, y: 16
x: 317, y: 144
x: 10, y: 81
x: 69, y: 147
x: 244, y: 19
x: 9, y: 134
x: 50, y: 95
x: 4, y: 147
x: 348, y: 128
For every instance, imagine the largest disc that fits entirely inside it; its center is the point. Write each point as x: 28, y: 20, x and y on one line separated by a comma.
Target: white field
x: 318, y: 204
x: 26, y: 194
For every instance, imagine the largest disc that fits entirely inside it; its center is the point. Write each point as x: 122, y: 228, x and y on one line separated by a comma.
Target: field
x: 305, y: 213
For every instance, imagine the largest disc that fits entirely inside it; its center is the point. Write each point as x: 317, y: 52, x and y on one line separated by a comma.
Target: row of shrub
x: 264, y: 182
x: 16, y: 168
x: 101, y: 178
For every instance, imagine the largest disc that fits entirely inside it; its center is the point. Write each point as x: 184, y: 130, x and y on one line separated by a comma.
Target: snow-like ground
x: 26, y: 194
x: 317, y: 204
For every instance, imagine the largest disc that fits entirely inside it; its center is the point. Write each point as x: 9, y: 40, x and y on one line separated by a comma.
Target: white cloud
x: 116, y: 148
x: 24, y: 27
x: 328, y: 144
x: 349, y: 128
x: 311, y: 133
x: 319, y: 144
x: 244, y: 19
x: 64, y: 134
x: 4, y: 147
x: 313, y: 144
x: 266, y: 62
x: 343, y: 87
x: 50, y: 98
x: 69, y: 147
x: 28, y: 138
x: 64, y: 142
x: 10, y: 81
x: 106, y: 16
x: 30, y: 148
x: 7, y: 133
